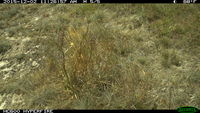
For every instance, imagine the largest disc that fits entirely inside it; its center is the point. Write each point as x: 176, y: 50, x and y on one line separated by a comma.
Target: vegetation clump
x: 4, y: 46
x: 104, y: 56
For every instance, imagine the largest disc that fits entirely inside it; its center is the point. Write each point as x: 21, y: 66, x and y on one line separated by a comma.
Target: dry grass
x: 96, y: 59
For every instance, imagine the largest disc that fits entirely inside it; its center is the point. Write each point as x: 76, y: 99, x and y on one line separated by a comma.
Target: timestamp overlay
x: 94, y: 1
x: 48, y: 1
x: 19, y: 1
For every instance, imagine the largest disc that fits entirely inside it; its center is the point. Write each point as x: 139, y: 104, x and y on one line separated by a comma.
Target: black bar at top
x: 92, y: 1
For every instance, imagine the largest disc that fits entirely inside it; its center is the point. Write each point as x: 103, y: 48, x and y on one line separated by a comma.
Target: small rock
x: 37, y: 46
x: 3, y: 63
x: 36, y: 18
x: 34, y: 63
x: 26, y: 39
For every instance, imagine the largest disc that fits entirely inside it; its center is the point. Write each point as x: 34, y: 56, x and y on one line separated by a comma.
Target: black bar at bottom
x: 88, y: 111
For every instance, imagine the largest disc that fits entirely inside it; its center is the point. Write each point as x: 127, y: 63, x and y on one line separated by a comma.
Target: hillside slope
x: 105, y: 56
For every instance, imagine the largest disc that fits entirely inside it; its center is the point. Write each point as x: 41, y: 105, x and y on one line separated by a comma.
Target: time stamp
x: 48, y: 1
